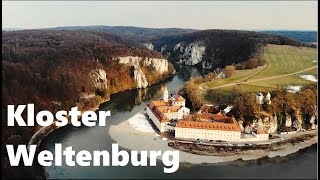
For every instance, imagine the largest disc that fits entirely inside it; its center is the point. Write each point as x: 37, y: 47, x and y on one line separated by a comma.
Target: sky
x: 250, y: 15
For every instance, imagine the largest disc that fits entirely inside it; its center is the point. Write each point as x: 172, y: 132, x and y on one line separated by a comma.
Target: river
x: 301, y: 165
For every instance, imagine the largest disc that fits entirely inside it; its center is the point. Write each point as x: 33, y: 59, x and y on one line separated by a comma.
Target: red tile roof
x: 178, y: 98
x: 220, y: 122
x: 165, y: 109
x: 159, y: 107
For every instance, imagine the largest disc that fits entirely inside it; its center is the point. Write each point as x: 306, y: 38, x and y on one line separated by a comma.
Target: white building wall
x: 259, y: 99
x: 180, y: 114
x: 171, y: 115
x: 183, y: 112
x: 153, y: 118
x: 164, y: 127
x: 193, y: 133
x: 180, y: 103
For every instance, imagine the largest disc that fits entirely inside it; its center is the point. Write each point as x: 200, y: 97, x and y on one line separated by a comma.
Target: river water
x: 301, y: 165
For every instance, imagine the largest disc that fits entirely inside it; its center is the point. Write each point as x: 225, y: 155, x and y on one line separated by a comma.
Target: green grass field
x: 287, y: 59
x: 281, y: 60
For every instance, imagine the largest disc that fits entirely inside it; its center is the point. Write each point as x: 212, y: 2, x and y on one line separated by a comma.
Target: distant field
x: 287, y: 59
x: 283, y: 63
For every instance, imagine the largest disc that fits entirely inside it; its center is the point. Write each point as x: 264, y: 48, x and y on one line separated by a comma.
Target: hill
x: 207, y: 49
x: 136, y: 35
x: 57, y: 70
x: 304, y: 36
x: 48, y: 66
x: 217, y: 48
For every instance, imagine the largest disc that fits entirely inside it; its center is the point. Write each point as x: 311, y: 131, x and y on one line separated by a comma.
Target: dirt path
x: 264, y: 68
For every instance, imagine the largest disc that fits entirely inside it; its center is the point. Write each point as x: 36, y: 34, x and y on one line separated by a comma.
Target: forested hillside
x: 218, y: 48
x: 57, y: 70
x: 136, y: 35
x: 205, y: 48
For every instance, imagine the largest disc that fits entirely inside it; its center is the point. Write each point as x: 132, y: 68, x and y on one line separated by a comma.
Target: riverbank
x: 131, y: 138
x: 43, y: 132
x: 250, y: 152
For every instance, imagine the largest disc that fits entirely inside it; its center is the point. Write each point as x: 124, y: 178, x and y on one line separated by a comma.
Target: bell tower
x: 165, y: 94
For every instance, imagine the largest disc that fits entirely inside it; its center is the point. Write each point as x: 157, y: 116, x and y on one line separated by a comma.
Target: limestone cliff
x: 312, y: 121
x: 139, y: 77
x: 267, y: 123
x: 149, y: 46
x: 288, y: 121
x: 99, y: 79
x: 240, y: 123
x: 297, y: 122
x: 190, y: 53
x: 154, y: 66
x: 273, y: 124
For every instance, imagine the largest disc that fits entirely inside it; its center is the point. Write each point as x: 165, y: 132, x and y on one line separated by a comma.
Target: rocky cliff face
x: 159, y: 66
x: 240, y: 123
x: 149, y: 45
x: 99, y: 83
x: 99, y: 79
x: 190, y: 54
x: 297, y: 120
x: 312, y: 121
x: 288, y: 122
x: 266, y: 123
x: 248, y: 129
x: 273, y: 124
x: 140, y: 78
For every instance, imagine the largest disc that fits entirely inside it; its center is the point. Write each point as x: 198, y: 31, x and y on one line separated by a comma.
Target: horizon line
x: 255, y: 29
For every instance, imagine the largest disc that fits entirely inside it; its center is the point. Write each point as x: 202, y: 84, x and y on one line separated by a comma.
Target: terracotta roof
x: 160, y: 116
x: 158, y: 103
x: 215, y: 117
x: 208, y: 125
x: 165, y: 109
x: 204, y: 108
x: 159, y: 107
x: 208, y: 108
x: 178, y: 98
x: 220, y: 122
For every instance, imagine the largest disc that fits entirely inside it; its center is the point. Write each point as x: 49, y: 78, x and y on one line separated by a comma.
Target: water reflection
x: 127, y: 100
x: 186, y: 72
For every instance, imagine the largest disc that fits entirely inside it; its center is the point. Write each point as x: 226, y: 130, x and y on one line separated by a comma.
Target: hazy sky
x: 289, y: 15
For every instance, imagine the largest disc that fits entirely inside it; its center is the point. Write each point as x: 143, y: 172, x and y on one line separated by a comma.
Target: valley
x: 90, y: 69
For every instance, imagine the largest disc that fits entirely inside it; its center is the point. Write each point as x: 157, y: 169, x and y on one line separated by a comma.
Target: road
x: 264, y: 78
x: 280, y: 137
